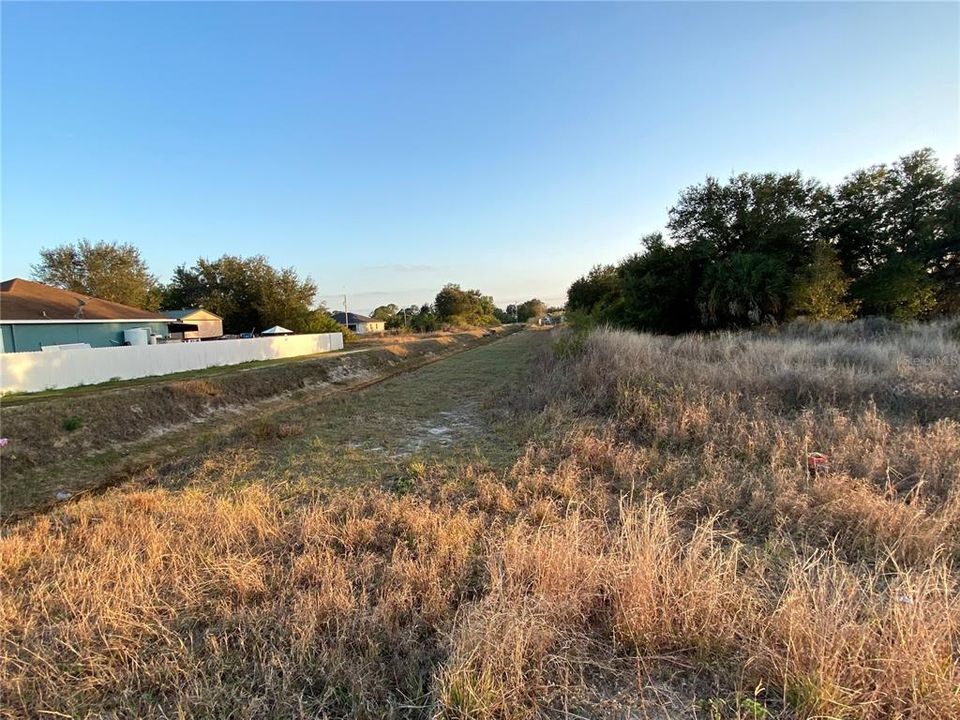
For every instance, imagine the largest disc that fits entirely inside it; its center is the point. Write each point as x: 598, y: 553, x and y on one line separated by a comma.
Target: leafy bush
x: 821, y: 290
x: 319, y: 321
x: 72, y: 423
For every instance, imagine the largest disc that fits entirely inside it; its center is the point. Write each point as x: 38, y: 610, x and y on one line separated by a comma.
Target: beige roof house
x: 209, y: 324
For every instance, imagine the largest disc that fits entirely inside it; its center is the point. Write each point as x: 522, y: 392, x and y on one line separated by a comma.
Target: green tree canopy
x: 248, y: 293
x: 767, y: 213
x: 110, y: 271
x: 531, y: 310
x: 751, y: 231
x: 946, y: 252
x: 600, y: 286
x: 658, y: 288
x: 821, y: 290
x: 597, y: 297
x: 464, y: 307
x: 891, y: 228
x: 385, y: 312
x: 425, y: 319
x: 765, y: 247
x: 901, y: 288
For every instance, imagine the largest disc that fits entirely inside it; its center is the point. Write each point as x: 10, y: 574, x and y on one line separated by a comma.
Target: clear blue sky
x: 385, y: 149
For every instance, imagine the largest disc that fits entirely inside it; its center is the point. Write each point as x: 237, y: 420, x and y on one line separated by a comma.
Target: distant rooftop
x: 189, y: 311
x: 350, y: 318
x: 27, y: 300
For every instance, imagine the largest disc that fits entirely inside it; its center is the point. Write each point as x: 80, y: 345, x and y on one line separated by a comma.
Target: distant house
x: 359, y: 324
x: 33, y: 316
x: 210, y: 325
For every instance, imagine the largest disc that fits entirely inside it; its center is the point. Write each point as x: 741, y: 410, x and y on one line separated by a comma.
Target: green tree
x: 821, y: 290
x: 916, y: 199
x: 860, y: 222
x: 660, y: 286
x: 598, y: 290
x: 385, y: 312
x: 531, y: 310
x: 452, y: 302
x: 946, y: 251
x: 110, y: 271
x: 767, y: 246
x: 403, y: 319
x: 885, y: 211
x: 425, y: 320
x: 749, y: 233
x: 745, y: 289
x: 901, y: 288
x: 456, y: 306
x: 768, y: 214
x: 891, y: 227
x: 248, y: 293
x: 318, y: 320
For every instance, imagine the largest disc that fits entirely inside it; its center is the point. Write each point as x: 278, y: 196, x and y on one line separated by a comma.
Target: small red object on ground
x: 817, y: 463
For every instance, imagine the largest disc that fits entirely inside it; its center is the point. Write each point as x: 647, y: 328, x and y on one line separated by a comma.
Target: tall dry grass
x: 659, y: 551
x: 725, y: 424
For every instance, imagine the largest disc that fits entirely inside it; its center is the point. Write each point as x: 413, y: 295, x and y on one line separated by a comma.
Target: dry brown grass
x: 664, y: 523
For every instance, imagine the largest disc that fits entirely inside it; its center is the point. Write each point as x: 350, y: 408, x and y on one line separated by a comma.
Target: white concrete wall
x: 31, y: 371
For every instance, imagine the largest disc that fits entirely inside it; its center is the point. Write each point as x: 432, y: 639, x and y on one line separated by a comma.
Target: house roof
x: 351, y: 318
x: 187, y: 312
x: 24, y: 300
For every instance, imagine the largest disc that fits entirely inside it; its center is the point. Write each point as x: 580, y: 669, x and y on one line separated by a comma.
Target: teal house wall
x: 29, y: 337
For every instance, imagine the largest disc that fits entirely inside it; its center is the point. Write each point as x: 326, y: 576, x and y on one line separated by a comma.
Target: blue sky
x: 385, y: 149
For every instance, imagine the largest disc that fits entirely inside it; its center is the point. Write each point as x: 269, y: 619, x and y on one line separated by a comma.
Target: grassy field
x: 84, y: 438
x: 354, y: 344
x: 612, y: 526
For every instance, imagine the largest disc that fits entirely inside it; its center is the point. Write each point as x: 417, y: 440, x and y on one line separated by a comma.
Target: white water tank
x: 136, y: 336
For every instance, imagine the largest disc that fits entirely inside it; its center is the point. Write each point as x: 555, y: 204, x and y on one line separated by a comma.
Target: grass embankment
x: 657, y: 549
x: 84, y: 438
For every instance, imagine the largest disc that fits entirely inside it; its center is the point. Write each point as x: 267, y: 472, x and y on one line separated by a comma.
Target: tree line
x: 455, y: 307
x: 769, y: 247
x: 248, y: 293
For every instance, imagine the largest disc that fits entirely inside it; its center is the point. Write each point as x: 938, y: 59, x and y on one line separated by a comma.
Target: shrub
x: 821, y: 290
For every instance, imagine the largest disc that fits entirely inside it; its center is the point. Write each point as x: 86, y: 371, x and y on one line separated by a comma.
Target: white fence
x: 31, y: 371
